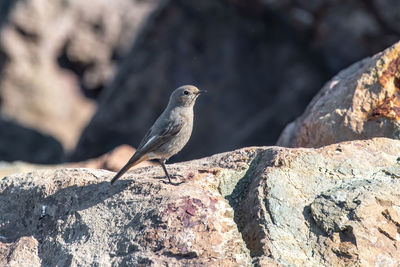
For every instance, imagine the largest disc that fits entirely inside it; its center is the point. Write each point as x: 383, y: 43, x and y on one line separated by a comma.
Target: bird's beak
x: 201, y: 92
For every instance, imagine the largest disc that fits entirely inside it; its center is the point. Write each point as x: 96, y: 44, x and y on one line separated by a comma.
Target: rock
x: 23, y: 252
x: 248, y: 93
x: 81, y: 219
x: 8, y: 168
x: 360, y: 102
x: 323, y: 207
x: 52, y: 53
x: 333, y: 206
x: 363, y: 219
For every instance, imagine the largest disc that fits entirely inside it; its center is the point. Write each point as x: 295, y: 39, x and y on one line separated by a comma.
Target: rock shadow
x: 245, y: 216
x: 21, y: 143
x: 314, y: 228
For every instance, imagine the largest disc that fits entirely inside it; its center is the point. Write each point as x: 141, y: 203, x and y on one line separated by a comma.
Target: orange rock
x: 360, y: 102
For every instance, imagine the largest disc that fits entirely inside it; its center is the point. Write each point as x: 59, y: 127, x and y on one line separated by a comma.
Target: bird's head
x: 185, y: 96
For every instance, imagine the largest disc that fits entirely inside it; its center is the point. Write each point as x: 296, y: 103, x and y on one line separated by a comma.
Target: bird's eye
x: 186, y: 92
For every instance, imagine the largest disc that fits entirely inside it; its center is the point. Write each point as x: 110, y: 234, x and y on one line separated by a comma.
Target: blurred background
x: 78, y: 78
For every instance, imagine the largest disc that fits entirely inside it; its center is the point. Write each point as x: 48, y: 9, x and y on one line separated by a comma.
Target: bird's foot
x: 173, y: 177
x: 172, y: 183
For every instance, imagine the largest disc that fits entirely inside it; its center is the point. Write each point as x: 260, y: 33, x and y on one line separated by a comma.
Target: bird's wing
x: 153, y: 140
x: 145, y: 138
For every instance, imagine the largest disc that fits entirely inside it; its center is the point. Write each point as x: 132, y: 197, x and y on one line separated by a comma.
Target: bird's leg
x: 162, y: 162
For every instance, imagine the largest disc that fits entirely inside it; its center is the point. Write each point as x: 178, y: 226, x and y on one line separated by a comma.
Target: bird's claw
x: 172, y: 183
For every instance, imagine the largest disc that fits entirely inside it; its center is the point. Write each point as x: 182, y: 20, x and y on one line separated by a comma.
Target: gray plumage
x: 169, y: 133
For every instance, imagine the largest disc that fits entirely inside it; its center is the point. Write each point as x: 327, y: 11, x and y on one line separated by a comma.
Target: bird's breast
x: 181, y: 138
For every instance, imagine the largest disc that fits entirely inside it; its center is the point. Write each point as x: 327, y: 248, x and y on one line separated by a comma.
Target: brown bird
x: 170, y: 132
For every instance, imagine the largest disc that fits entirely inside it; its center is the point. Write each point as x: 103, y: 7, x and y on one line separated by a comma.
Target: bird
x: 169, y: 133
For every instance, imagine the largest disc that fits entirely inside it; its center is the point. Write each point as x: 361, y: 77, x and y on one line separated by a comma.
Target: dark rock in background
x: 341, y: 31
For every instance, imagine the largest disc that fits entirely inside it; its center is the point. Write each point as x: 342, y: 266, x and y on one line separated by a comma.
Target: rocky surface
x: 135, y: 222
x: 334, y: 206
x: 360, y: 102
x: 54, y: 53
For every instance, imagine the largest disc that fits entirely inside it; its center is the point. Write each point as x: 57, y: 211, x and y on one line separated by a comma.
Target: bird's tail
x: 136, y: 159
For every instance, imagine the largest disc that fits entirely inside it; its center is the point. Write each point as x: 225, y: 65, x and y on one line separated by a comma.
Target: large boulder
x: 360, y: 102
x: 269, y: 206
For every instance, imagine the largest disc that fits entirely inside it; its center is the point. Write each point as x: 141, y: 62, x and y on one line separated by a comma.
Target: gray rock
x: 77, y: 218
